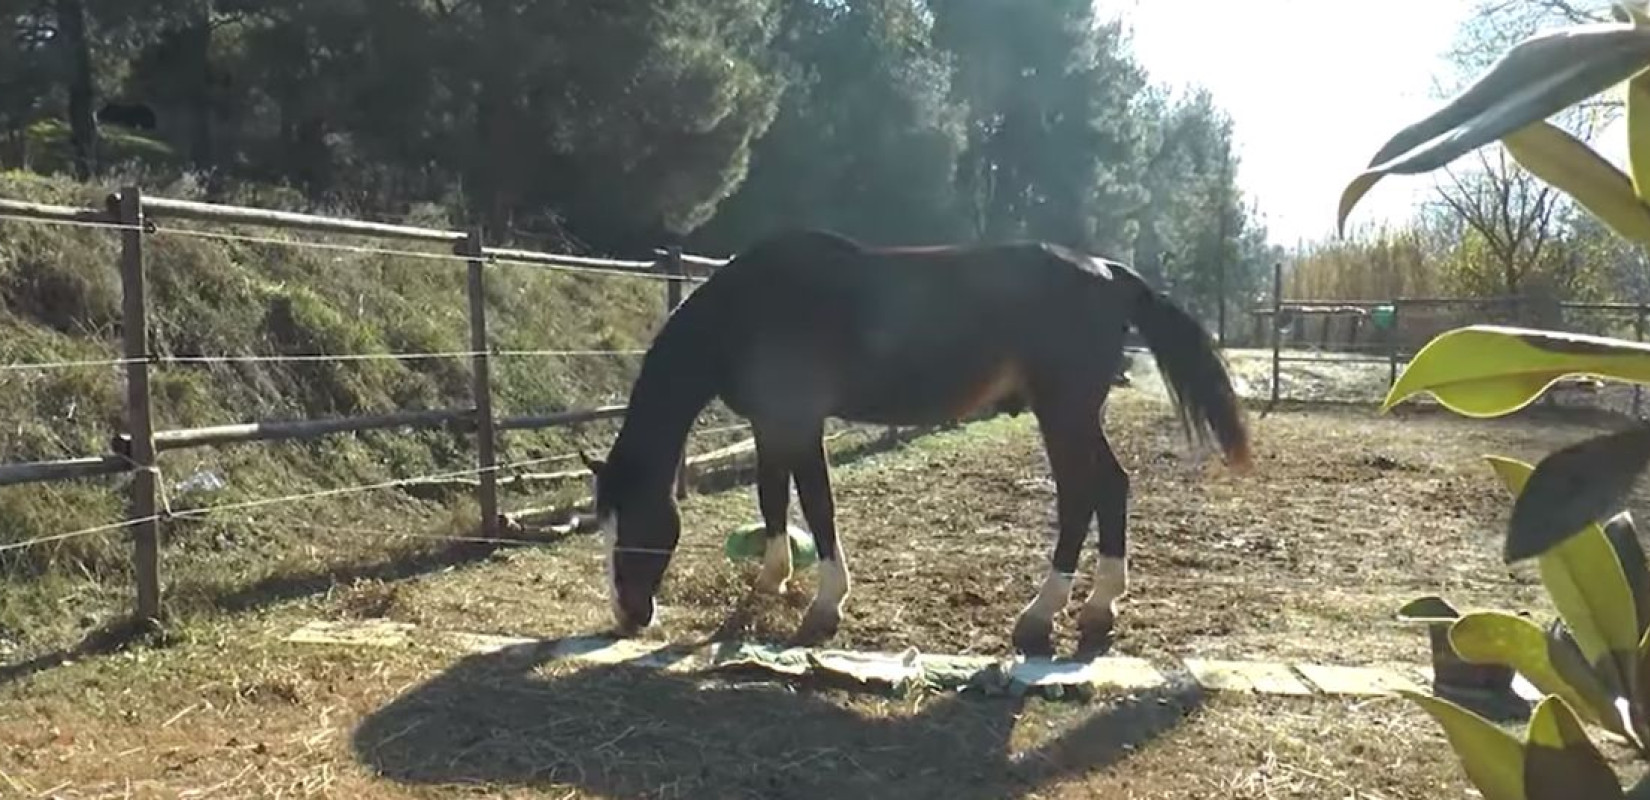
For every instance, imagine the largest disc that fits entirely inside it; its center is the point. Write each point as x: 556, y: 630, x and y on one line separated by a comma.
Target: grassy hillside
x: 60, y: 301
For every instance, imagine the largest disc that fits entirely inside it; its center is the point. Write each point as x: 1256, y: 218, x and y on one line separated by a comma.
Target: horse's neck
x: 673, y: 387
x: 654, y: 436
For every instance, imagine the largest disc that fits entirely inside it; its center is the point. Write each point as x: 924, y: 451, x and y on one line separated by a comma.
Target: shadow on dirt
x: 628, y: 732
x: 104, y: 640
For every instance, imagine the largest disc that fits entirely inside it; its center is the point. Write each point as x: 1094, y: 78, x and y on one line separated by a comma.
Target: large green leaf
x: 1536, y: 78
x: 1624, y: 537
x: 1553, y: 155
x: 1641, y: 700
x: 1633, y: 11
x: 1574, y: 487
x: 1493, y: 370
x: 1560, y: 762
x: 1638, y: 134
x: 1565, y: 656
x: 1493, y: 758
x: 1586, y: 584
x: 1495, y: 637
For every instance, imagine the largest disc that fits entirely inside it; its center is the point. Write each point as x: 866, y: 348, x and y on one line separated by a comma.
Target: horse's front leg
x: 813, y: 490
x: 1098, y: 618
x: 774, y: 496
x: 1067, y: 439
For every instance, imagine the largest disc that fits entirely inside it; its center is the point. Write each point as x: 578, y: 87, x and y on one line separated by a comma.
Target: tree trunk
x: 491, y: 199
x: 197, y: 47
x: 14, y: 149
x: 312, y: 159
x: 494, y: 191
x: 71, y: 25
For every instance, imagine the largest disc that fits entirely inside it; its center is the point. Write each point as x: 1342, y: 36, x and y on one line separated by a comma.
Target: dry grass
x: 1348, y: 516
x: 1372, y: 263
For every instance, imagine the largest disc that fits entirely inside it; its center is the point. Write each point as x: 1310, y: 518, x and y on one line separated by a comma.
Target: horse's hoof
x: 1033, y: 636
x: 1095, y: 630
x: 1094, y: 643
x: 817, y: 626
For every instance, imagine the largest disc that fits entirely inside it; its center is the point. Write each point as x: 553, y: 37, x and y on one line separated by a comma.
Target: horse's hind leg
x: 1068, y: 432
x: 813, y: 490
x: 773, y: 492
x: 1111, y: 571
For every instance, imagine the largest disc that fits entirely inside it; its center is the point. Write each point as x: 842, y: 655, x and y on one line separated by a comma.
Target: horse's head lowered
x: 642, y: 527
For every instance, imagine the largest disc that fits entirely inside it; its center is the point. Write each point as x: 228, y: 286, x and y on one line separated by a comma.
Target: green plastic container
x: 750, y: 543
x: 1383, y: 316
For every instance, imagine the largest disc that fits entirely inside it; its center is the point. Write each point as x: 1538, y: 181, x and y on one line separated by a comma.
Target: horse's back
x: 801, y: 252
x: 805, y: 281
x: 904, y: 333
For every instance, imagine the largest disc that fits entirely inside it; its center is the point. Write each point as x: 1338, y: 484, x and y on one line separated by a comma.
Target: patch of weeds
x: 60, y: 301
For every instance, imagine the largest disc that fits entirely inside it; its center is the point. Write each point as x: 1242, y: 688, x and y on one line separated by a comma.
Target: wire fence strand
x: 572, y: 263
x: 82, y: 533
x: 524, y: 541
x: 49, y: 366
x: 266, y: 502
x: 271, y: 501
x: 359, y: 489
x: 418, y: 254
x: 275, y: 241
x: 422, y: 356
x: 276, y: 358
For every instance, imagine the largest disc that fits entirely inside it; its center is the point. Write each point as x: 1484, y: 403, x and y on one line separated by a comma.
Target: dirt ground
x: 1348, y: 516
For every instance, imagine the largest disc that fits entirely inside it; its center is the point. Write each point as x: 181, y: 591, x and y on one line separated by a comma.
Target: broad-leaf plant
x: 1569, y: 516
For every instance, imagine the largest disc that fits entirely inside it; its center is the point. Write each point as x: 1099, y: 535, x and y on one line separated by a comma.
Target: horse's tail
x: 1195, y: 375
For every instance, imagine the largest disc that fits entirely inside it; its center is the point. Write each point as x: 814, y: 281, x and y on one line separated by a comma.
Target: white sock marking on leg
x: 1052, y: 597
x: 776, y: 561
x: 834, y: 584
x: 1111, y: 583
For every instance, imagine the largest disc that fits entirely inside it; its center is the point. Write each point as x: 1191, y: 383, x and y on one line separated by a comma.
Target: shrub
x: 1593, y: 663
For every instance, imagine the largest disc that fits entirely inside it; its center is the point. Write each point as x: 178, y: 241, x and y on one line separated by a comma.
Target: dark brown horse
x: 808, y: 325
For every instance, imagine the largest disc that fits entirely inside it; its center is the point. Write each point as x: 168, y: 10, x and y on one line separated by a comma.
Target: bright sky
x: 1314, y: 88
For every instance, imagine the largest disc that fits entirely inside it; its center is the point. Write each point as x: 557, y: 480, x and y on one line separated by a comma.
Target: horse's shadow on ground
x: 629, y: 732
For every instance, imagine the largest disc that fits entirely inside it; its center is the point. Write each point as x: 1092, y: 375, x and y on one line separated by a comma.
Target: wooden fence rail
x: 136, y: 448
x: 273, y: 431
x: 64, y: 470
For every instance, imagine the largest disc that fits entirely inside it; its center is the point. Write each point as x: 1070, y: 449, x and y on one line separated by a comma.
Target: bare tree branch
x: 1569, y: 11
x: 1515, y: 214
x: 1518, y: 217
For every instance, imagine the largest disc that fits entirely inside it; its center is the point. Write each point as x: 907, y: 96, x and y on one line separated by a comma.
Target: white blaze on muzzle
x: 645, y: 617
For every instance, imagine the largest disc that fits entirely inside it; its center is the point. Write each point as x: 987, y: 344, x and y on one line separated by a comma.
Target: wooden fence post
x: 482, y: 386
x: 140, y: 422
x: 673, y: 298
x: 1638, y: 335
x: 1394, y: 343
x: 1277, y: 329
